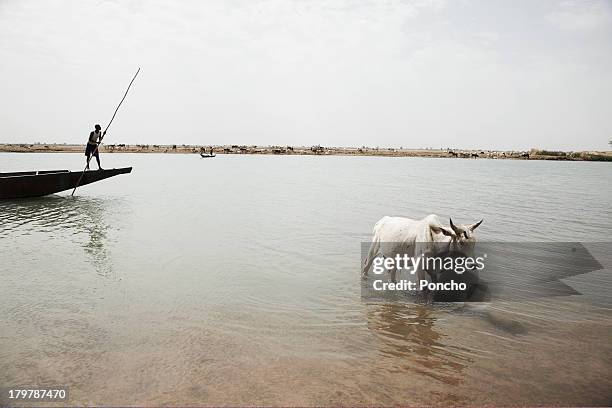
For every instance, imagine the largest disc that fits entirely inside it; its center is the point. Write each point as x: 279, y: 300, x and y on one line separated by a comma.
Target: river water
x: 235, y: 281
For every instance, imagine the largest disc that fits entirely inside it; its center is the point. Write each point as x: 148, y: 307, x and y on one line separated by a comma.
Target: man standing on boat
x: 95, y: 138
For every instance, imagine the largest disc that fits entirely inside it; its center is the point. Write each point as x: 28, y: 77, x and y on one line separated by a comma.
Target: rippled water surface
x: 235, y: 281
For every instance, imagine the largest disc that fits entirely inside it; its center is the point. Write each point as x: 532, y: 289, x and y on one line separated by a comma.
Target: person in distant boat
x: 95, y: 138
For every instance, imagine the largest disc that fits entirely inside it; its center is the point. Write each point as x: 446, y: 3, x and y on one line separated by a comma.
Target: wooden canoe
x: 40, y: 183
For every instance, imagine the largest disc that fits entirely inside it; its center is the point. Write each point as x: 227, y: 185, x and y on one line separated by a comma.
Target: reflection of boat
x: 207, y: 155
x: 82, y: 221
x: 40, y: 183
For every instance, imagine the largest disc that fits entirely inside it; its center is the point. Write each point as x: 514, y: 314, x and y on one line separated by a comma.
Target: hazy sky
x: 461, y: 73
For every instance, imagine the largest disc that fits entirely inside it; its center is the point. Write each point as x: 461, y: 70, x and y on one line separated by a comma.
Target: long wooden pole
x: 104, y: 133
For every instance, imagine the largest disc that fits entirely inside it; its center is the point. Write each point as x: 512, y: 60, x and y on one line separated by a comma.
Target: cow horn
x: 474, y: 226
x: 457, y: 231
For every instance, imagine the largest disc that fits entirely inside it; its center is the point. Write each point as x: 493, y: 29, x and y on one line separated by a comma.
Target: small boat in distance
x: 40, y: 183
x: 206, y: 155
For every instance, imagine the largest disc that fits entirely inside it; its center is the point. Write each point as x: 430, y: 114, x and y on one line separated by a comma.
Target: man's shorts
x: 90, y: 149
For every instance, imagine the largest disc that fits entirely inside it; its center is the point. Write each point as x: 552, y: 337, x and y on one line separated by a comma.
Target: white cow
x: 399, y: 235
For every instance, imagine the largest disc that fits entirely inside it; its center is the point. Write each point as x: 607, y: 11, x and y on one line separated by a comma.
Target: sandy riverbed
x: 532, y: 154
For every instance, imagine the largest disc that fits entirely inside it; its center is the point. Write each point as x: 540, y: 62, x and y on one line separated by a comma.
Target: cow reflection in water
x: 409, y: 338
x: 66, y: 219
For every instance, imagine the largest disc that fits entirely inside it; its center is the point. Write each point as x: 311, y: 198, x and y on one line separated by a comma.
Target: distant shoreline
x: 533, y: 154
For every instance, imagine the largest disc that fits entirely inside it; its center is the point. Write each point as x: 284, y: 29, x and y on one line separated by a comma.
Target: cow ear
x: 441, y: 229
x: 474, y: 226
x: 447, y: 232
